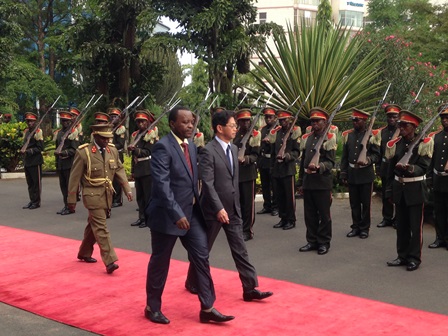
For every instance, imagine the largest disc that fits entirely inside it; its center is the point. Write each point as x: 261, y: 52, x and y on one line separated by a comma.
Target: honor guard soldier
x: 247, y: 169
x: 64, y: 160
x: 33, y: 161
x: 316, y: 182
x: 119, y: 141
x: 358, y: 175
x: 6, y: 118
x: 284, y: 168
x: 101, y: 118
x: 437, y: 177
x: 264, y: 165
x: 382, y: 137
x: 95, y: 166
x: 141, y: 161
x: 406, y: 187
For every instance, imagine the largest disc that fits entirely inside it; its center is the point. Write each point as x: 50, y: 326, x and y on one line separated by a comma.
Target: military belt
x: 439, y: 173
x: 409, y: 179
x: 356, y: 166
x: 144, y: 158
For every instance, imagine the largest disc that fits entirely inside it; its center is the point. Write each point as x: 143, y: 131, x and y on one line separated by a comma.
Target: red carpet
x: 39, y: 273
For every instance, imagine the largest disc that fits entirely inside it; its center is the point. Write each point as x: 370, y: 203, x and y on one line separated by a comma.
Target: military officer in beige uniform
x: 95, y: 166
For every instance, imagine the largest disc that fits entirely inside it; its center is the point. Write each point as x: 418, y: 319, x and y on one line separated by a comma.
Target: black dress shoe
x: 62, y: 210
x: 412, y: 266
x: 143, y: 225
x: 156, y: 317
x: 137, y: 222
x: 189, y: 287
x: 364, y: 234
x: 397, y: 262
x: 384, y: 223
x: 263, y: 211
x: 67, y: 212
x: 111, y: 268
x: 437, y: 243
x: 308, y: 247
x: 255, y: 294
x: 280, y: 224
x: 274, y: 213
x: 289, y: 226
x: 213, y: 315
x: 34, y: 206
x: 247, y: 236
x: 353, y: 233
x: 116, y: 205
x: 27, y: 206
x: 323, y: 249
x: 89, y: 260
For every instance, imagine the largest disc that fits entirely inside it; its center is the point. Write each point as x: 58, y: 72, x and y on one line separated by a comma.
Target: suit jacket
x: 96, y: 175
x: 220, y: 188
x: 174, y: 186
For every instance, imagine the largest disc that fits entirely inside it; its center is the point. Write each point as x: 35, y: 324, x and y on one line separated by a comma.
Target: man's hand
x: 129, y: 196
x: 131, y: 148
x: 71, y: 207
x: 300, y: 191
x: 313, y: 167
x: 222, y: 216
x: 402, y: 167
x: 183, y: 223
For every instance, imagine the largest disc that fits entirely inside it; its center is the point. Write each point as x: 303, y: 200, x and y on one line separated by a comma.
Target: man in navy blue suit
x: 173, y: 212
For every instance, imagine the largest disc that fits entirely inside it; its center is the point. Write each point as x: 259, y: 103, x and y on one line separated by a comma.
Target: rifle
x: 362, y: 158
x: 36, y: 127
x: 124, y: 114
x: 241, y: 101
x: 246, y: 136
x: 404, y: 161
x: 198, y: 118
x: 319, y: 143
x: 281, y: 152
x: 415, y: 98
x: 75, y: 122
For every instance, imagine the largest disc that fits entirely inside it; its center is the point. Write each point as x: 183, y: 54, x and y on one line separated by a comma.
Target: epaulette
x: 434, y: 133
x: 120, y: 130
x: 391, y: 148
x: 296, y: 133
x: 345, y: 135
x: 275, y: 130
x: 255, y: 139
x: 273, y: 134
x: 83, y: 146
x: 73, y: 134
x: 199, y: 139
x: 376, y: 131
x: 331, y: 143
x: 304, y: 139
x: 334, y: 129
x: 152, y: 135
x: 308, y: 129
x: 426, y: 147
x: 306, y: 135
x: 39, y: 135
x: 375, y: 139
x: 392, y: 142
x: 111, y: 144
x: 199, y: 134
x: 134, y: 134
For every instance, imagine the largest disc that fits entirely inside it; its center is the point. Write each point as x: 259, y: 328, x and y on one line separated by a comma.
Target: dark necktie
x: 187, y: 155
x: 229, y: 157
x: 103, y: 153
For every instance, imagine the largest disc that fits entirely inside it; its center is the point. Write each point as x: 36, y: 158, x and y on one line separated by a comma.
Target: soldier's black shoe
x: 116, y: 205
x: 397, y: 262
x: 62, y: 210
x: 137, y: 222
x: 412, y: 266
x: 308, y: 247
x: 323, y: 249
x: 353, y: 233
x: 437, y: 243
x: 27, y: 206
x: 142, y: 224
x: 274, y: 212
x: 289, y: 226
x: 247, y: 236
x: 280, y: 224
x: 385, y: 223
x: 67, y: 211
x: 363, y: 234
x: 263, y: 211
x: 34, y: 206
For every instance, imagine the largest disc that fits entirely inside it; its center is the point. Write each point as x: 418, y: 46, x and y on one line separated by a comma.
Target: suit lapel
x: 181, y: 154
x: 222, y: 154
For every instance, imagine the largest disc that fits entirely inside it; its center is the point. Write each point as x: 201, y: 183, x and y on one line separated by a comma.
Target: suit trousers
x: 195, y: 242
x: 96, y: 231
x: 33, y: 176
x: 316, y: 205
x: 441, y: 215
x: 64, y: 176
x: 409, y: 231
x: 360, y: 196
x: 143, y: 186
x: 285, y: 198
x: 247, y: 202
x: 268, y: 189
x: 388, y: 207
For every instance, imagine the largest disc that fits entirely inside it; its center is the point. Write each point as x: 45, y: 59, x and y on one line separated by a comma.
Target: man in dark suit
x: 33, y: 161
x: 220, y: 202
x: 173, y: 211
x: 406, y: 188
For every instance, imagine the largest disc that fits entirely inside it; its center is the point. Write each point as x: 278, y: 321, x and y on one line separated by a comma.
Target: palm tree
x: 315, y: 56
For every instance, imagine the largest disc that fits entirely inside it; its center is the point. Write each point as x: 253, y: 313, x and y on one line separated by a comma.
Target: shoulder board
x: 83, y: 146
x: 38, y: 135
x: 434, y: 133
x: 135, y: 134
x: 306, y: 135
x: 330, y: 135
x: 39, y: 130
x: 392, y: 142
x: 333, y: 127
x: 330, y: 143
x: 255, y: 133
x: 151, y: 130
x: 426, y: 147
x: 427, y: 139
x: 308, y: 129
x: 275, y: 130
x: 347, y: 132
x: 120, y: 130
x: 375, y: 132
x: 198, y: 135
x: 296, y: 133
x: 111, y: 144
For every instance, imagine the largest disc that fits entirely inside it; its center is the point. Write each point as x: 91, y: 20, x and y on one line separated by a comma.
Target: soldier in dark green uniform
x: 382, y: 137
x: 358, y: 175
x: 64, y: 160
x: 33, y: 161
x: 438, y: 177
x: 141, y: 162
x: 316, y: 182
x: 264, y: 165
x: 119, y: 141
x: 247, y: 170
x: 284, y: 168
x: 406, y: 187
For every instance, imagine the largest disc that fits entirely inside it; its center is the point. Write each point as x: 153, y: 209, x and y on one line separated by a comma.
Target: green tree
x: 324, y: 12
x: 314, y: 56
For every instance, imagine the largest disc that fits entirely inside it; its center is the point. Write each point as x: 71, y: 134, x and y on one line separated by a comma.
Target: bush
x: 11, y: 141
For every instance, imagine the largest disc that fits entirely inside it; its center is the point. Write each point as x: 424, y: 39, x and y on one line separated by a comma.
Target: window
x: 350, y: 18
x: 263, y: 16
x: 309, y: 2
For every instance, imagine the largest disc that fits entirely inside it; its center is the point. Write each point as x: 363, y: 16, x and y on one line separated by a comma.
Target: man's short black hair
x: 172, y: 116
x: 221, y: 118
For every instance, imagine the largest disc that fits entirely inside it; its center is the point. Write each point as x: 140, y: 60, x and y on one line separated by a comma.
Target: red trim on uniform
x: 358, y: 114
x: 410, y: 119
x: 268, y: 111
x: 30, y: 116
x: 243, y: 115
x: 141, y: 116
x: 75, y: 111
x: 65, y: 115
x: 318, y: 115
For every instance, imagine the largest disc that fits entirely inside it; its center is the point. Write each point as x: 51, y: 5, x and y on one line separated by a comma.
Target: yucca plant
x: 306, y: 56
